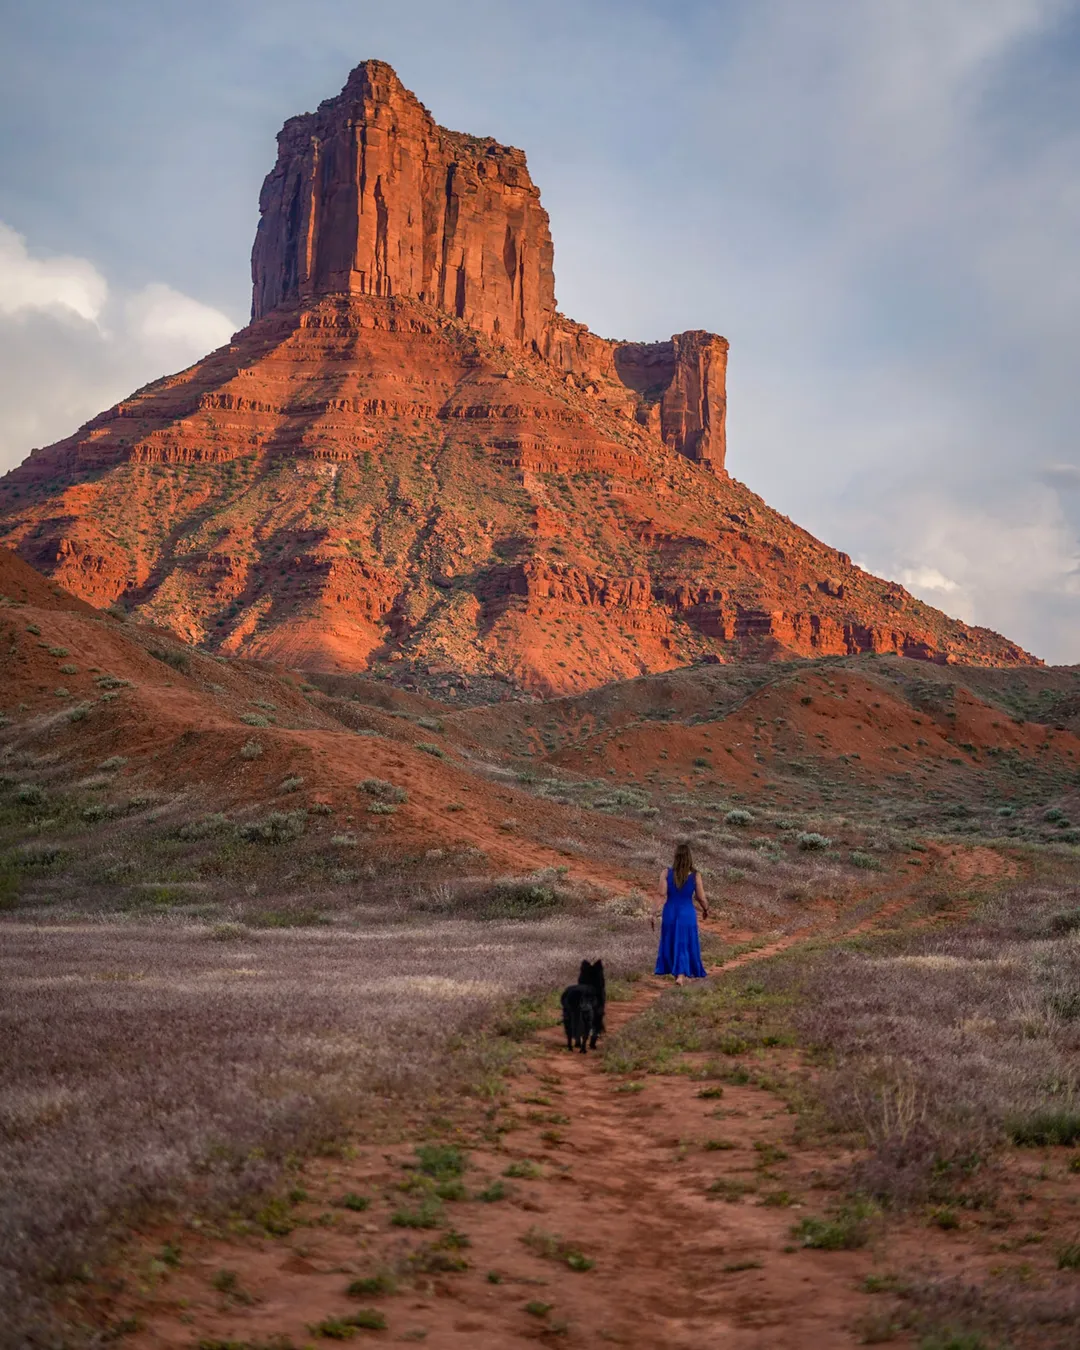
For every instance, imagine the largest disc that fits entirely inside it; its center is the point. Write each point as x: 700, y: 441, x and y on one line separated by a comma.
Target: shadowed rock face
x: 410, y: 460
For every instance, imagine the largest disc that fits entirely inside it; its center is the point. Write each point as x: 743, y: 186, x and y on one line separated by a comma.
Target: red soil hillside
x: 411, y: 462
x: 82, y: 687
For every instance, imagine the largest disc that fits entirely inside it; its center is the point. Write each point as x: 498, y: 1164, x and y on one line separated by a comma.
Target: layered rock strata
x: 369, y: 196
x: 389, y: 468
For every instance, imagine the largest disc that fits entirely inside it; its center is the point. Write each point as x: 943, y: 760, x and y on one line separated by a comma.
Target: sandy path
x: 623, y: 1177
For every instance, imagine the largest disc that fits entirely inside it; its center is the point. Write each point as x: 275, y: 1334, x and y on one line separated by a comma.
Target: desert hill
x: 150, y: 736
x: 410, y: 462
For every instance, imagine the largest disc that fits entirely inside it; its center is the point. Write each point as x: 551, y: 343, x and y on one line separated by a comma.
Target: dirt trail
x: 622, y: 1176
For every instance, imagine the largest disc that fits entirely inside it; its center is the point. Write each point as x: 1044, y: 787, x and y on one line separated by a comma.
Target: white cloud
x: 158, y: 314
x: 919, y: 580
x: 70, y: 346
x: 65, y: 284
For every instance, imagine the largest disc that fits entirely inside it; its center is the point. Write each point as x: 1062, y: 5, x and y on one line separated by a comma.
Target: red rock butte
x: 410, y: 460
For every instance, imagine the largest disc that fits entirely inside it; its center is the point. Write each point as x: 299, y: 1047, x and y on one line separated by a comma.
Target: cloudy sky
x: 876, y: 201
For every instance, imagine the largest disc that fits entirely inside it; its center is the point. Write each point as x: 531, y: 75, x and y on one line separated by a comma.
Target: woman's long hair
x: 683, y: 864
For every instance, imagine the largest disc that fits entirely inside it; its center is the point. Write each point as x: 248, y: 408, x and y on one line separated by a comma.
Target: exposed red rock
x: 410, y: 457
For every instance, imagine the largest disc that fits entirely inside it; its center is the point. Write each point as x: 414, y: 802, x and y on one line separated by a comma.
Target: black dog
x: 583, y: 1007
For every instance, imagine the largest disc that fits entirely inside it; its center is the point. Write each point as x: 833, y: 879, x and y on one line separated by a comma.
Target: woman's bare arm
x: 658, y: 905
x: 699, y: 895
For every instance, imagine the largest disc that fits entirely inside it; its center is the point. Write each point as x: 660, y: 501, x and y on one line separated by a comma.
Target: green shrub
x: 1045, y: 1128
x: 846, y: 1231
x: 430, y: 748
x: 440, y: 1161
x: 381, y: 809
x: 737, y: 816
x: 525, y: 1169
x: 429, y: 1214
x: 9, y: 888
x: 350, y: 1200
x: 811, y: 842
x: 291, y: 784
x: 255, y: 719
x: 113, y: 763
x: 279, y: 827
x: 866, y: 861
x: 382, y: 791
x: 429, y: 723
x: 372, y: 1286
x: 172, y: 656
x: 1069, y: 1257
x: 250, y: 750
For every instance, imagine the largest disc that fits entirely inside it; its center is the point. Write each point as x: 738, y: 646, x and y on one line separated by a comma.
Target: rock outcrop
x: 369, y: 196
x: 410, y: 461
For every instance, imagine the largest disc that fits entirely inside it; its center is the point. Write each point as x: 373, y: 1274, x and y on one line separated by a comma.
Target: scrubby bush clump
x: 279, y: 827
x: 812, y: 842
x: 382, y: 790
x: 738, y: 816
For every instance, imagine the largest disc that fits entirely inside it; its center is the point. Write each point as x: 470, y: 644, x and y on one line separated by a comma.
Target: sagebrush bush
x: 812, y: 842
x: 251, y: 750
x: 738, y: 816
x: 279, y: 827
x: 382, y: 790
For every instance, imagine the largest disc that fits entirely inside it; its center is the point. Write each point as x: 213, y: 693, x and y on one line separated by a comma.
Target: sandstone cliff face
x: 441, y: 479
x: 369, y: 196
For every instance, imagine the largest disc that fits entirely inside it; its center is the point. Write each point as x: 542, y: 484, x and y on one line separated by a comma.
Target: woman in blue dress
x: 680, y: 950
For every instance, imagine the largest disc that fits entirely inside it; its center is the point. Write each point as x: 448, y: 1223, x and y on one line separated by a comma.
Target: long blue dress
x: 680, y: 951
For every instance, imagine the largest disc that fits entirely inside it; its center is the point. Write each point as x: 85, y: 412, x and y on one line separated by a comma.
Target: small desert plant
x: 525, y: 1169
x: 738, y: 816
x: 429, y: 723
x: 430, y: 748
x: 250, y: 750
x: 428, y: 1214
x: 203, y: 828
x: 440, y: 1161
x: 1069, y: 1257
x: 1046, y: 1127
x: 255, y: 719
x: 350, y: 1200
x: 812, y: 842
x: 729, y: 1188
x: 555, y: 1248
x: 172, y: 656
x: 291, y: 784
x: 372, y: 1286
x: 845, y: 1231
x: 382, y: 790
x: 279, y: 827
x: 113, y: 763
